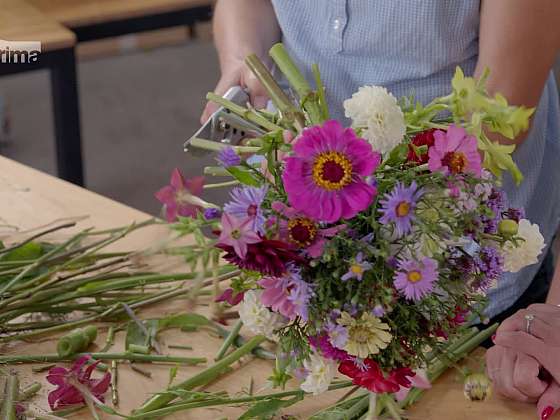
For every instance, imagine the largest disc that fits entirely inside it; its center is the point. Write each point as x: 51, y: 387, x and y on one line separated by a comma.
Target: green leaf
x: 266, y: 409
x: 29, y: 251
x: 184, y: 321
x: 172, y: 375
x: 135, y: 335
x: 243, y: 176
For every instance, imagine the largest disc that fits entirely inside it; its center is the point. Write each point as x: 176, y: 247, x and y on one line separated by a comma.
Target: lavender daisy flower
x: 227, y: 157
x: 415, y: 279
x: 246, y: 202
x: 398, y: 207
x: 357, y: 268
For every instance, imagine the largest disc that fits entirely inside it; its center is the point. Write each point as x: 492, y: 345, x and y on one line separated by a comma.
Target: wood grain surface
x: 29, y: 198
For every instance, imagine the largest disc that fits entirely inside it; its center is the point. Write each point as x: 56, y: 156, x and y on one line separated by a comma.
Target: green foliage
x: 268, y: 408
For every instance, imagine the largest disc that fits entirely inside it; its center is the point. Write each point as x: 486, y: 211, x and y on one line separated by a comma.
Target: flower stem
x: 11, y: 392
x: 229, y: 340
x: 215, y: 146
x: 201, y: 378
x: 133, y: 357
x: 36, y: 236
x: 221, y: 184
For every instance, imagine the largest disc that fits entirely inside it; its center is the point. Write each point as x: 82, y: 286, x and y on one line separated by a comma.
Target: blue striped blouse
x: 413, y: 46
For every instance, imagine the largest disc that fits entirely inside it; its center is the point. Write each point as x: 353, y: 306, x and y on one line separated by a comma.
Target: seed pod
x: 508, y: 227
x: 477, y: 387
x: 76, y: 341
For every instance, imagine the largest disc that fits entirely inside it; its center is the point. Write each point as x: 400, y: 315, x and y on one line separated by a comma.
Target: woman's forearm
x: 519, y: 40
x: 242, y: 27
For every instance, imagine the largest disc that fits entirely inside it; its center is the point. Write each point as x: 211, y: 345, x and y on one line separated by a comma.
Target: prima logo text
x: 19, y: 52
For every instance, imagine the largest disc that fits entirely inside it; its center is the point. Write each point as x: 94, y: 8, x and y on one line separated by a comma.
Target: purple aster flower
x: 398, y: 207
x: 246, y: 202
x: 212, y: 213
x: 514, y: 214
x: 496, y: 203
x: 322, y: 343
x: 357, y: 268
x: 289, y: 295
x: 338, y: 335
x: 227, y: 157
x: 351, y: 308
x: 378, y: 311
x: 415, y: 279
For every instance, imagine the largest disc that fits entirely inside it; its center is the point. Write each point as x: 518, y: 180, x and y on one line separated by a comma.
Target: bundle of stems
x: 47, y: 288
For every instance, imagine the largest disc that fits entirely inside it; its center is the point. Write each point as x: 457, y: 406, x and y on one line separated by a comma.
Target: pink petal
x: 55, y: 395
x: 166, y: 195
x: 171, y: 212
x: 177, y: 179
x: 315, y: 250
x: 102, y: 384
x: 240, y: 248
x: 195, y: 185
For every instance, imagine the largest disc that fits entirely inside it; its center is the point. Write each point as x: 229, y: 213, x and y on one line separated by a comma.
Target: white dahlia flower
x: 257, y: 317
x: 320, y: 374
x: 527, y: 252
x: 374, y: 110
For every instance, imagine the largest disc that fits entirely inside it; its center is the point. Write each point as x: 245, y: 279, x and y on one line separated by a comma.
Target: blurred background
x: 140, y: 94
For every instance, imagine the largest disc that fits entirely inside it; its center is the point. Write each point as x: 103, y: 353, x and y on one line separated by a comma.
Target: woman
x: 413, y: 47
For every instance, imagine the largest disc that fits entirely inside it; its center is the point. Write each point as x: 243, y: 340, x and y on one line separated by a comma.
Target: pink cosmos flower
x: 74, y: 382
x: 237, y: 233
x: 455, y: 152
x: 180, y: 197
x: 303, y: 232
x: 324, y: 178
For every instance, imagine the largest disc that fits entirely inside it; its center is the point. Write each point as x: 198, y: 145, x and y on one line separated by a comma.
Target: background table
x: 29, y: 198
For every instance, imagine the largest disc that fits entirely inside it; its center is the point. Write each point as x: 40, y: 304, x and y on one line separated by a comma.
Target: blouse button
x: 336, y: 24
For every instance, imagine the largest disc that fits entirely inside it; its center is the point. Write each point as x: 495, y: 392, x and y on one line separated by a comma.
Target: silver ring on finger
x: 529, y: 319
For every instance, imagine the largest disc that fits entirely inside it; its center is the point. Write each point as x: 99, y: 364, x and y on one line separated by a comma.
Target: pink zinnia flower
x: 181, y: 198
x: 303, y: 232
x: 73, y: 383
x: 288, y: 295
x: 415, y: 279
x: 324, y: 179
x: 237, y: 233
x: 455, y: 152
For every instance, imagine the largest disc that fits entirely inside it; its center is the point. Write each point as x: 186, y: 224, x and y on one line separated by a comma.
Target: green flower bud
x: 508, y: 227
x: 477, y: 387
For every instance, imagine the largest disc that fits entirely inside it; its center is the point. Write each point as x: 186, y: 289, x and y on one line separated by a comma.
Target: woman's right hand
x: 237, y: 74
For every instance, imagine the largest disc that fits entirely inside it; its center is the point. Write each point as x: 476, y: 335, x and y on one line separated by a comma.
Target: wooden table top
x: 30, y: 198
x: 76, y: 13
x: 20, y: 21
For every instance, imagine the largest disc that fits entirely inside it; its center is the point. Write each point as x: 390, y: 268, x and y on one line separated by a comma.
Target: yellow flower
x: 366, y: 335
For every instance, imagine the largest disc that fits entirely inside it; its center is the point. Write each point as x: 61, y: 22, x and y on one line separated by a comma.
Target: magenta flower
x: 324, y: 179
x: 73, y: 383
x: 415, y: 279
x: 180, y: 197
x: 357, y: 268
x: 303, y: 232
x: 455, y: 152
x: 246, y: 202
x: 322, y: 343
x: 237, y: 233
x: 398, y: 207
x: 288, y: 295
x: 230, y: 296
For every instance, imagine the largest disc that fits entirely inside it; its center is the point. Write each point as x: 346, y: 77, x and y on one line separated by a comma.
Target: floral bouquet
x: 362, y: 249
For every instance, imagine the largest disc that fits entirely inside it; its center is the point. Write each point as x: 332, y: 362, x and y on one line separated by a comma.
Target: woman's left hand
x: 535, y: 331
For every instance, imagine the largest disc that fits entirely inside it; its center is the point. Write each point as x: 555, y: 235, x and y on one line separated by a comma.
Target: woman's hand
x: 541, y: 343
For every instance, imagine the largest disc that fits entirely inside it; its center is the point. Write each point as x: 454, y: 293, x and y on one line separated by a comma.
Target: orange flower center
x: 302, y: 231
x: 403, y: 208
x: 332, y: 171
x: 414, y: 276
x: 455, y: 161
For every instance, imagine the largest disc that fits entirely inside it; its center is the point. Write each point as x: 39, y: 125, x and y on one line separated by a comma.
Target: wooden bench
x: 96, y: 19
x: 20, y: 21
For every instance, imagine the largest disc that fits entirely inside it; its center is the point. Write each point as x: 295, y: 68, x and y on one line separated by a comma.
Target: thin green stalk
x: 239, y: 341
x: 216, y: 171
x: 296, y: 79
x: 29, y: 391
x: 217, y: 147
x: 109, y: 340
x: 201, y: 378
x: 11, y: 392
x: 178, y: 347
x: 221, y: 184
x: 243, y: 112
x: 275, y: 92
x: 320, y: 92
x: 114, y: 379
x: 36, y: 236
x: 226, y: 344
x: 358, y: 408
x: 132, y: 357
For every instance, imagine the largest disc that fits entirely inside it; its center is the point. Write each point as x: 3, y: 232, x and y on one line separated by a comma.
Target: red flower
x: 371, y: 377
x: 72, y: 383
x: 425, y: 138
x: 269, y: 257
x: 230, y: 297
